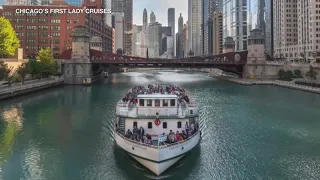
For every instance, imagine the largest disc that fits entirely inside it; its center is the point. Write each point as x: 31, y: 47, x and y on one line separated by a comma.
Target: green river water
x: 257, y: 132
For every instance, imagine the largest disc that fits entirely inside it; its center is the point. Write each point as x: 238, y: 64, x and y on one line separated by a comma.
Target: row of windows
x: 164, y: 125
x: 165, y: 102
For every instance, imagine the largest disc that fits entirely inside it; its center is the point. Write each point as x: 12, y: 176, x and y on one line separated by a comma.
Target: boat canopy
x: 157, y: 96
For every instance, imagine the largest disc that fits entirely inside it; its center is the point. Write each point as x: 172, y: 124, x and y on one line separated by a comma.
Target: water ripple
x: 247, y: 133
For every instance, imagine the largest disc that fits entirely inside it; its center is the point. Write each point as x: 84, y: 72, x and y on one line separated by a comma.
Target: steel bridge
x: 230, y: 62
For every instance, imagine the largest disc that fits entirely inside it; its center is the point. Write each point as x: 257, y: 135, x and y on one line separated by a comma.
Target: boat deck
x: 155, y: 139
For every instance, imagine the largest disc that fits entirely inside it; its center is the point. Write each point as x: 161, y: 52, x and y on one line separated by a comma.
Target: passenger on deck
x: 178, y: 136
x: 135, y: 133
x: 192, y: 127
x: 187, y: 127
x: 128, y: 133
x: 184, y: 135
x: 141, y: 132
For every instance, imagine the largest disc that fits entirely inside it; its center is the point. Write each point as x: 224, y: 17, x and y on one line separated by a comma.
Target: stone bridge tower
x: 78, y: 70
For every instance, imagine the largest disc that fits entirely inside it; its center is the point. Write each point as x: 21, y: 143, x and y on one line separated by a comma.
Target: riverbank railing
x: 289, y: 84
x: 16, y: 87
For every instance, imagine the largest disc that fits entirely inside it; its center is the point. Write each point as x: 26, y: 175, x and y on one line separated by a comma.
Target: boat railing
x: 179, y: 142
x: 136, y: 142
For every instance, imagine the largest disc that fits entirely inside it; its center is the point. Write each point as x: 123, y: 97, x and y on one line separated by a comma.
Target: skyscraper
x: 180, y: 24
x: 208, y: 9
x: 107, y: 16
x: 172, y: 24
x: 152, y: 17
x: 145, y: 18
x: 194, y: 25
x: 269, y: 27
x: 126, y: 7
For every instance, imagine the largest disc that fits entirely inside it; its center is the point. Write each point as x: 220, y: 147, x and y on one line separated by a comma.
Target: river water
x: 258, y: 132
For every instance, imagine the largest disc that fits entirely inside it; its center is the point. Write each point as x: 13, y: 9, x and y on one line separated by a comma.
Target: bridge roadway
x: 227, y: 59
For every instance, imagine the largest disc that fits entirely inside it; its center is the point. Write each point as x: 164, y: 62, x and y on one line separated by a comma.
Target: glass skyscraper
x: 240, y: 17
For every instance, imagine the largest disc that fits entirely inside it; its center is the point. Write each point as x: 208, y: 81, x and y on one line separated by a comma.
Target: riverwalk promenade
x: 29, y: 86
x: 285, y: 84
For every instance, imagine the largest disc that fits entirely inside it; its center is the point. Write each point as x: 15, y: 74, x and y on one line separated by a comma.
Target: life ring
x: 157, y: 122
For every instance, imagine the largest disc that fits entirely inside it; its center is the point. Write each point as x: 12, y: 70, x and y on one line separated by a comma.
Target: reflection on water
x: 13, y: 117
x: 258, y: 132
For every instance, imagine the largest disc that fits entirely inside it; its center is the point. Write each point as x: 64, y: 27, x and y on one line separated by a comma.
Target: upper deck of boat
x: 158, y: 91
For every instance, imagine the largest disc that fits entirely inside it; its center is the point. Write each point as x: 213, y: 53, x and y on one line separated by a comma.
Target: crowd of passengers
x: 170, y: 89
x: 137, y: 134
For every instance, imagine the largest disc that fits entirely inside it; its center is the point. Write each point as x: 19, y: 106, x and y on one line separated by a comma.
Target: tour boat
x: 157, y: 125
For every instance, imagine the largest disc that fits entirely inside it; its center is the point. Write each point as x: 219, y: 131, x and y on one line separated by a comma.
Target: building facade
x: 194, y: 25
x: 126, y: 7
x: 296, y: 30
x: 154, y: 35
x: 172, y: 24
x: 184, y: 39
x: 180, y: 23
x: 152, y: 17
x: 145, y: 18
x: 107, y: 16
x: 269, y: 28
x: 37, y: 31
x: 118, y: 25
x: 217, y: 31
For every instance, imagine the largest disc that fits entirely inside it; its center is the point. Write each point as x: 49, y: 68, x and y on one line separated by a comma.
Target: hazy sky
x: 160, y: 8
x: 1, y: 2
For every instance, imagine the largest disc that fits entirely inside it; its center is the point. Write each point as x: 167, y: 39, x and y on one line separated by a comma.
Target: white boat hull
x: 157, y: 159
x: 157, y: 168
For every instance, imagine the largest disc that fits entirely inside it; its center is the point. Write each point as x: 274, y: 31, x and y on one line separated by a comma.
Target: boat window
x: 191, y: 111
x: 149, y: 125
x: 135, y: 124
x: 165, y: 103
x: 164, y: 125
x: 179, y: 124
x: 172, y: 102
x: 149, y: 102
x: 141, y: 102
x: 157, y: 103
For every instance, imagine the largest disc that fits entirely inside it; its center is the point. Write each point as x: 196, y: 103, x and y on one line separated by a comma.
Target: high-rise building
x: 296, y: 30
x: 145, y: 18
x: 126, y: 7
x: 172, y: 24
x: 154, y: 40
x: 152, y: 17
x: 269, y: 27
x: 247, y: 15
x: 185, y: 40
x: 107, y: 16
x: 217, y: 30
x: 118, y: 25
x: 208, y: 9
x: 194, y: 26
x: 180, y: 23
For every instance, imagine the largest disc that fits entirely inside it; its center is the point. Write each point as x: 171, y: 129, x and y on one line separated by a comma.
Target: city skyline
x: 160, y: 8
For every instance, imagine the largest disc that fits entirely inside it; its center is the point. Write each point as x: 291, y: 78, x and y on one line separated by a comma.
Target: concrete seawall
x: 11, y: 92
x: 284, y: 84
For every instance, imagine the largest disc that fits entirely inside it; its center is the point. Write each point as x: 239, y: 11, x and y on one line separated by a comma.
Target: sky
x: 160, y: 8
x: 1, y: 2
